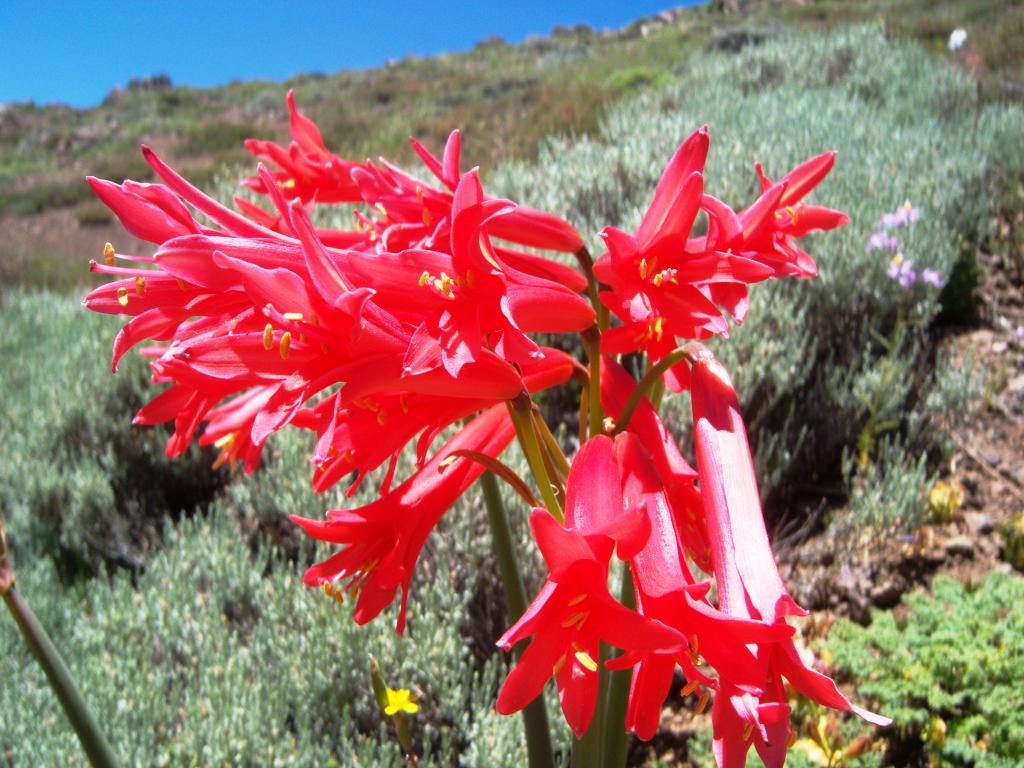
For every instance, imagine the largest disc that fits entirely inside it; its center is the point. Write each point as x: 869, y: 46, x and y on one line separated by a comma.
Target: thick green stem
x: 93, y: 742
x: 592, y: 343
x: 651, y: 379
x: 616, y: 740
x: 535, y: 715
x: 520, y: 410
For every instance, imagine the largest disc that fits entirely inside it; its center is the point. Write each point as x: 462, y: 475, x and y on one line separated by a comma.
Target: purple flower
x: 902, y: 271
x: 932, y: 277
x: 905, y: 214
x: 882, y: 240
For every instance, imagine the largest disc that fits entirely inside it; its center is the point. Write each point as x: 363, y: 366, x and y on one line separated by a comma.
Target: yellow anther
x: 268, y: 336
x: 792, y: 213
x: 286, y: 341
x: 586, y: 661
x: 655, y: 329
x: 383, y: 211
x: 287, y: 184
x: 122, y: 296
x: 181, y: 284
x: 140, y: 285
x: 447, y: 461
x: 425, y: 278
x: 644, y: 271
x: 658, y: 279
x: 227, y: 439
x: 557, y: 667
x: 294, y: 316
x: 690, y: 687
x: 578, y: 599
x: 702, y: 703
x: 108, y: 254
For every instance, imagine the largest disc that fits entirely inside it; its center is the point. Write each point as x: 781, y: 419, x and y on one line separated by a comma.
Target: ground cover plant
x: 847, y: 310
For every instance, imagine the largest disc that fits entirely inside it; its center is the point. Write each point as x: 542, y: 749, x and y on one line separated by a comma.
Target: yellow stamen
x: 108, y: 254
x: 122, y: 296
x: 227, y: 439
x: 287, y: 184
x: 644, y: 271
x: 286, y: 340
x: 689, y: 688
x: 140, y: 285
x: 383, y: 211
x: 586, y: 661
x: 294, y: 316
x: 557, y: 667
x: 424, y: 278
x: 268, y: 336
x: 792, y: 213
x: 608, y: 424
x: 447, y: 461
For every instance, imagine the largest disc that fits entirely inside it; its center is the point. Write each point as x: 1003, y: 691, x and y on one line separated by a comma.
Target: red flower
x: 384, y: 538
x: 747, y: 578
x: 663, y: 285
x: 770, y: 227
x: 573, y: 611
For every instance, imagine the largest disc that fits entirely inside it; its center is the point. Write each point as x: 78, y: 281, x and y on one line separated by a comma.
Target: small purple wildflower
x: 882, y: 240
x: 902, y: 271
x: 905, y: 214
x: 932, y: 277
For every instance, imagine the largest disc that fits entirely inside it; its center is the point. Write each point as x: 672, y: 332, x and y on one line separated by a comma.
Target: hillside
x: 506, y: 98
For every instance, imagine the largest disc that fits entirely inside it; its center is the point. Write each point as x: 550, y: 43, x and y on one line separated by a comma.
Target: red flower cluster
x: 384, y: 336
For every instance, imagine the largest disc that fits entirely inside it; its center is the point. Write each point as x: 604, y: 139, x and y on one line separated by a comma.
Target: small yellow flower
x: 401, y: 701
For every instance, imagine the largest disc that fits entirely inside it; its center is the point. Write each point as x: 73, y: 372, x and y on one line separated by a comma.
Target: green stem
x: 648, y: 382
x: 535, y: 715
x: 592, y: 343
x: 616, y: 740
x: 93, y: 742
x: 520, y: 410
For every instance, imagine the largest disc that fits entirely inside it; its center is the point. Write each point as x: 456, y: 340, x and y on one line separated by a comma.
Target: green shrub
x: 949, y: 671
x: 77, y: 482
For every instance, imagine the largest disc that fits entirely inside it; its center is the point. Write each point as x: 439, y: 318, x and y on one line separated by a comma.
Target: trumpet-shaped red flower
x: 383, y: 539
x: 748, y: 581
x: 663, y: 285
x: 573, y: 612
x: 413, y: 213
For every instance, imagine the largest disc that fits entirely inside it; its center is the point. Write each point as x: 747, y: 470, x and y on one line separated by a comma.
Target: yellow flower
x: 401, y: 701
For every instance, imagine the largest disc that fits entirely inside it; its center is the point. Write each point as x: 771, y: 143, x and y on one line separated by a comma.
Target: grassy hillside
x: 506, y: 98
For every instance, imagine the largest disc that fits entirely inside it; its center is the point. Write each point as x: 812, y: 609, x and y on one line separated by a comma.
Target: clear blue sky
x: 75, y: 51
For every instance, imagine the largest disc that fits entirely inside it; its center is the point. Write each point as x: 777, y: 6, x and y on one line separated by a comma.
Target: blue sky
x: 75, y: 51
